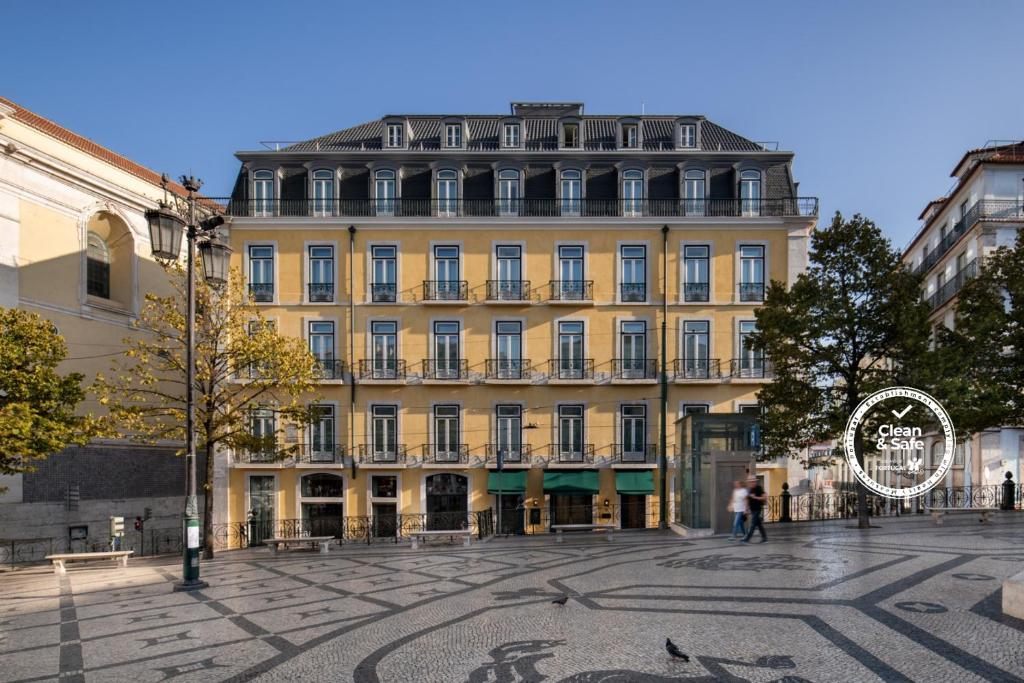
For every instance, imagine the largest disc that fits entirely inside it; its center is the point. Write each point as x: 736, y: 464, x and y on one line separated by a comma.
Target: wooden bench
x: 119, y: 556
x: 417, y: 536
x: 559, y: 528
x: 323, y: 542
x: 938, y: 513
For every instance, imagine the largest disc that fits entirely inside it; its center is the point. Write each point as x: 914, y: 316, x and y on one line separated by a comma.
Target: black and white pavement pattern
x: 907, y: 601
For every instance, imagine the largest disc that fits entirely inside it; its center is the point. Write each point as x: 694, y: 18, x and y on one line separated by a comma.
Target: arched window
x: 750, y: 193
x: 385, y: 191
x: 97, y: 277
x: 571, y: 192
x: 447, y: 192
x: 263, y: 193
x: 632, y: 193
x: 323, y: 192
x: 508, y: 192
x: 693, y: 193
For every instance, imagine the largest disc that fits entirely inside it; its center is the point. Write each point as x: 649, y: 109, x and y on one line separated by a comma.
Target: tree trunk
x: 863, y: 520
x: 208, y: 505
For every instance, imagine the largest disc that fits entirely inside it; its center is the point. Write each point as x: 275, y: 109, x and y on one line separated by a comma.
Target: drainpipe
x: 351, y: 344
x: 663, y: 446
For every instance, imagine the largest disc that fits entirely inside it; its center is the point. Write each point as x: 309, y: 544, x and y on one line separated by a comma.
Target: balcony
x: 577, y: 454
x: 580, y: 369
x: 445, y: 454
x: 751, y: 367
x: 369, y: 454
x: 381, y: 370
x: 320, y: 454
x: 522, y: 208
x: 446, y: 291
x: 328, y: 368
x: 509, y: 369
x: 510, y: 454
x: 983, y: 210
x: 952, y: 287
x: 632, y: 292
x: 261, y: 456
x: 696, y: 292
x: 321, y: 292
x: 261, y: 292
x: 383, y: 293
x: 634, y: 368
x: 571, y: 291
x: 635, y: 454
x: 447, y: 370
x: 508, y: 291
x: 751, y: 291
x: 696, y: 369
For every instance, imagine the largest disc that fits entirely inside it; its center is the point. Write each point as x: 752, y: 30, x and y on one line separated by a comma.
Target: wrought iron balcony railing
x: 751, y: 367
x: 521, y: 208
x: 697, y: 368
x: 513, y: 454
x: 952, y: 287
x: 317, y: 453
x: 983, y: 210
x: 383, y: 292
x: 570, y: 453
x: 635, y: 368
x: 571, y: 368
x: 453, y: 369
x: 508, y: 290
x: 328, y: 368
x: 632, y: 291
x: 445, y: 290
x: 443, y: 453
x: 751, y: 291
x: 642, y: 453
x: 571, y: 290
x: 321, y: 291
x: 383, y: 454
x: 261, y: 292
x: 381, y: 369
x: 509, y: 368
x: 696, y: 291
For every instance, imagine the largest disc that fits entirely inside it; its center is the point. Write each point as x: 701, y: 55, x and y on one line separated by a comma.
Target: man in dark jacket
x: 755, y: 499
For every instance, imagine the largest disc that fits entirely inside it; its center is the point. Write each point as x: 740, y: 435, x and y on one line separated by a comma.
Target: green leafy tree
x: 37, y: 403
x: 242, y: 364
x: 851, y: 324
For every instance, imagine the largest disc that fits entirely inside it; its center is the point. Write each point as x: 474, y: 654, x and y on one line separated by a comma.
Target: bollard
x: 786, y: 495
x: 1008, y: 489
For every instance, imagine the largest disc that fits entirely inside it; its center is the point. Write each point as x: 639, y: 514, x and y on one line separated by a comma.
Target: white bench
x: 938, y: 513
x: 323, y: 542
x: 417, y: 536
x: 119, y: 556
x: 559, y: 528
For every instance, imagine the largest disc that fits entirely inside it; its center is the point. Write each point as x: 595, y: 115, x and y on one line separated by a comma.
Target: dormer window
x: 453, y: 135
x: 323, y: 192
x: 630, y: 136
x: 632, y: 193
x: 571, y: 135
x: 688, y: 135
x: 510, y: 136
x: 447, y: 193
x: 396, y: 135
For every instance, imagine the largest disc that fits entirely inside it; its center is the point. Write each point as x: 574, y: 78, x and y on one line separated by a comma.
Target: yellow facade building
x: 485, y: 296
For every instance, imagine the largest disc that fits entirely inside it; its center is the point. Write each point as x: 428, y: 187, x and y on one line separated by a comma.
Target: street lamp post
x: 166, y: 226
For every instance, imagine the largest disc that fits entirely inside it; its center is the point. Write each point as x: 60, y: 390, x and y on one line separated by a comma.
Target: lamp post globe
x: 216, y: 258
x: 166, y: 229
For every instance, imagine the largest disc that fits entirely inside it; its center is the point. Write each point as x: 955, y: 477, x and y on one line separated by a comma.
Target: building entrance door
x: 572, y: 508
x: 634, y: 510
x: 447, y: 502
x: 385, y: 520
x: 512, y: 521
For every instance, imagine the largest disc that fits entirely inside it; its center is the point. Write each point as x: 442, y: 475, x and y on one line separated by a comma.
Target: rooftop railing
x: 983, y: 210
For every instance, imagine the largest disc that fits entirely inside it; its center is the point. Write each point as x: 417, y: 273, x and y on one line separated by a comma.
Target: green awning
x: 636, y: 482
x: 583, y: 481
x: 506, y: 482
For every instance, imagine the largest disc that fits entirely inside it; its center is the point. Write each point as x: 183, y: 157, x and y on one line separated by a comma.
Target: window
x: 688, y: 135
x: 571, y: 135
x: 261, y: 273
x: 751, y: 409
x: 509, y: 348
x: 447, y: 286
x: 321, y: 273
x: 695, y: 409
x: 453, y: 135
x: 696, y: 336
x: 384, y: 432
x: 384, y: 189
x: 751, y: 362
x: 263, y: 193
x: 634, y: 432
x: 750, y: 193
x: 321, y: 345
x: 321, y: 434
x: 323, y: 486
x: 446, y: 350
x: 446, y: 433
x: 263, y: 430
x: 509, y: 285
x: 632, y: 193
x: 447, y: 193
x: 570, y: 433
x: 508, y: 193
x: 97, y: 273
x: 696, y: 272
x: 634, y: 273
x: 963, y: 208
x: 384, y: 288
x: 571, y: 192
x: 630, y: 136
x: 323, y: 192
x: 633, y: 346
x: 751, y: 272
x: 396, y: 135
x: 510, y: 136
x: 509, y: 433
x: 571, y: 286
x: 693, y: 193
x: 384, y: 349
x: 570, y: 350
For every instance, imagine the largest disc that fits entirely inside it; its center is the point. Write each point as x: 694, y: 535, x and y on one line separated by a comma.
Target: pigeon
x: 674, y: 651
x: 560, y: 601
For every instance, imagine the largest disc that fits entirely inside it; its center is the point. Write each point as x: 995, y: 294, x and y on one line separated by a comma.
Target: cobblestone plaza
x: 907, y: 601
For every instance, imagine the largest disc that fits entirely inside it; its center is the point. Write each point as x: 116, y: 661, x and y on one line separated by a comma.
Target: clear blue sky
x: 877, y: 99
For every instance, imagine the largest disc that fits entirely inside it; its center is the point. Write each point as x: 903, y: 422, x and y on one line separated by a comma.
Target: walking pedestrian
x: 755, y: 501
x: 738, y: 507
